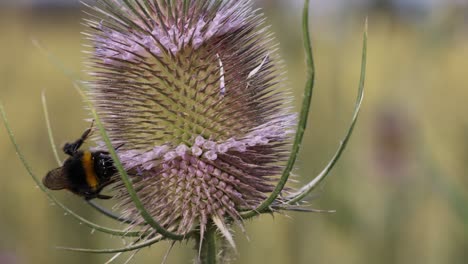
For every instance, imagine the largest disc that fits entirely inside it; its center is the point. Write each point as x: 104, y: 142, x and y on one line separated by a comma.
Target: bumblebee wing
x: 55, y: 180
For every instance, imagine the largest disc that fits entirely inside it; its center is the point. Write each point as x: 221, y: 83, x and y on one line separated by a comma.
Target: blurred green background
x: 400, y: 190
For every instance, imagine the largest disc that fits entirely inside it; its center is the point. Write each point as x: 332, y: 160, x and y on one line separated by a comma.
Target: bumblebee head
x: 55, y: 180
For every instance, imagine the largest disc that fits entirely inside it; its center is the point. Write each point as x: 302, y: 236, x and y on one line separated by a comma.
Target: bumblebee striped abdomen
x: 76, y: 174
x: 84, y: 173
x: 87, y: 161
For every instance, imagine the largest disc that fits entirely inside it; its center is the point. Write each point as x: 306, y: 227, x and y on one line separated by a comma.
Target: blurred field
x: 400, y: 190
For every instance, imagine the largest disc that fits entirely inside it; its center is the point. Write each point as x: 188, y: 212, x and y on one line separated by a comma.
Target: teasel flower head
x: 192, y: 91
x: 190, y: 101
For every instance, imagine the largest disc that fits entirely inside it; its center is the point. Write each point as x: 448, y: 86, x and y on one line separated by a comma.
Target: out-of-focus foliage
x: 400, y: 190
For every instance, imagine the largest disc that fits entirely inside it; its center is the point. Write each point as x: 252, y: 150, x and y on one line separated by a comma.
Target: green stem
x: 208, y: 249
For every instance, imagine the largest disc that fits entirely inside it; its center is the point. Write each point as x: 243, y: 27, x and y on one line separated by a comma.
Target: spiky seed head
x: 193, y: 91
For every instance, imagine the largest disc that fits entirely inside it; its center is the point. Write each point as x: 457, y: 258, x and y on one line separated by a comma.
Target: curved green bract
x: 124, y: 176
x: 147, y: 243
x: 302, y: 124
x: 55, y: 61
x: 49, y: 129
x: 308, y: 188
x: 51, y: 197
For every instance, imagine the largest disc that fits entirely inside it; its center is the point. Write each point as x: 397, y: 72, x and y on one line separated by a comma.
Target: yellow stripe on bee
x: 88, y: 165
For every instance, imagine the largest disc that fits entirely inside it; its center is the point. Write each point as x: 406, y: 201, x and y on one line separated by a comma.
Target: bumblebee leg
x: 116, y: 148
x: 119, y: 146
x: 99, y: 196
x: 71, y: 148
x: 103, y: 196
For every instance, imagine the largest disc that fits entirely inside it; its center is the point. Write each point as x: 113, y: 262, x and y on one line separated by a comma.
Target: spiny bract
x: 192, y: 91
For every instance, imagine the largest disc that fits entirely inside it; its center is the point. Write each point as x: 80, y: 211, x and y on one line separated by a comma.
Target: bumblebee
x: 84, y: 173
